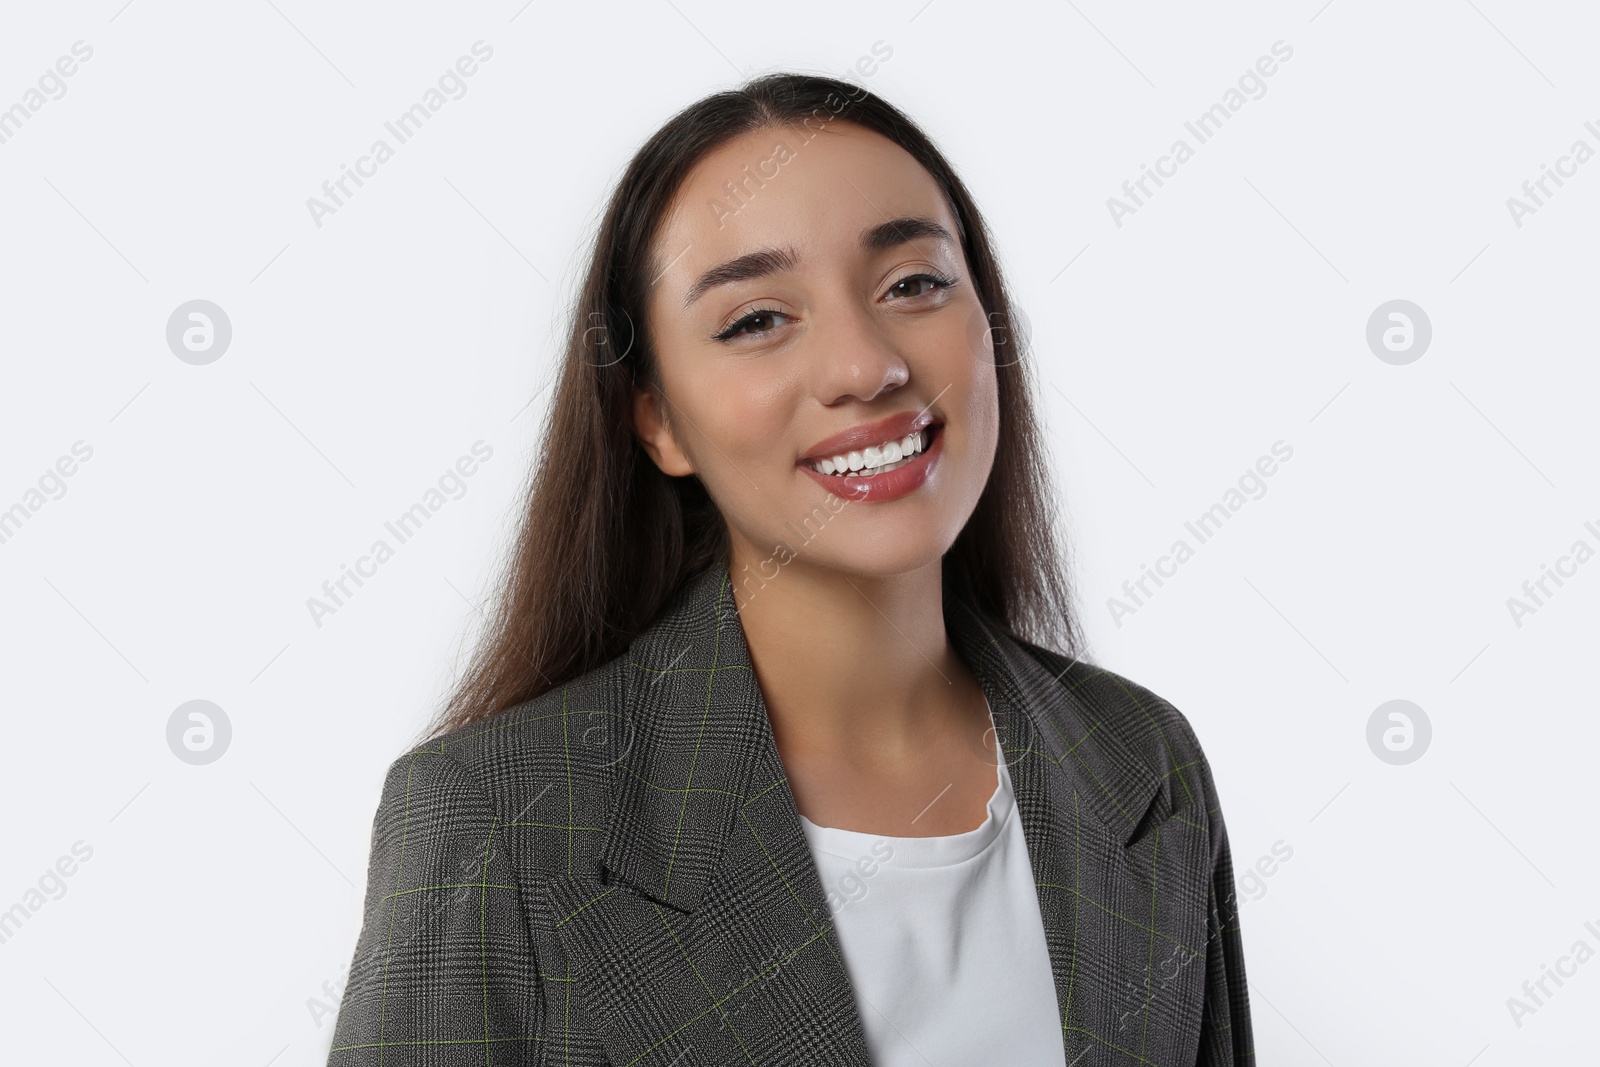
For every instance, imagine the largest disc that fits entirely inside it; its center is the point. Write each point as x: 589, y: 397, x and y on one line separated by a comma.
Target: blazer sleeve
x: 444, y: 971
x: 1226, y: 1039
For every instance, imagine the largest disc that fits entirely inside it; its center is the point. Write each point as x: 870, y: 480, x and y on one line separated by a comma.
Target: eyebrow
x: 767, y: 261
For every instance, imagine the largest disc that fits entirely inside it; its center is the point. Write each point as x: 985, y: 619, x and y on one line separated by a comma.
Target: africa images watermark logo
x: 1531, y: 201
x: 406, y: 125
x: 1202, y: 128
x: 1536, y: 992
x: 199, y: 332
x: 739, y: 193
x: 1399, y: 732
x: 51, y: 82
x: 337, y: 592
x: 1136, y: 592
x: 199, y: 732
x: 746, y: 584
x: 1252, y: 886
x: 51, y: 885
x: 51, y: 485
x: 1536, y: 592
x: 1399, y: 332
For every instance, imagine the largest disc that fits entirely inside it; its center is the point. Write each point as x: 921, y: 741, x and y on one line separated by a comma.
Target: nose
x: 854, y: 355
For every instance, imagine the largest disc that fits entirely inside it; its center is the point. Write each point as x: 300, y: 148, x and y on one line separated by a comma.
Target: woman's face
x: 804, y: 289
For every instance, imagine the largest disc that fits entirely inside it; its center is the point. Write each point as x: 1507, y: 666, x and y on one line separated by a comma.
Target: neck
x: 849, y: 663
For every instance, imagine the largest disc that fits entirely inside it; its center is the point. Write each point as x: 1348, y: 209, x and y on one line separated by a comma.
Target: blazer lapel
x: 1122, y: 881
x: 708, y: 940
x: 704, y: 936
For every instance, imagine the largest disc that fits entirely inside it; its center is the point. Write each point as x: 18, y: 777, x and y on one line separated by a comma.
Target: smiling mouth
x: 880, y: 458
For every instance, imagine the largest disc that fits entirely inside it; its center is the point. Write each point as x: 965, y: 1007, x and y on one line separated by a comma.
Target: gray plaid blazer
x: 614, y: 872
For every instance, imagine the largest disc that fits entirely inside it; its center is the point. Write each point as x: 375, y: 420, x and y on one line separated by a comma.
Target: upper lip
x: 859, y: 437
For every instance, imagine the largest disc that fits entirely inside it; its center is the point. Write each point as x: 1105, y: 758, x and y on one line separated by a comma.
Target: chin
x: 863, y: 554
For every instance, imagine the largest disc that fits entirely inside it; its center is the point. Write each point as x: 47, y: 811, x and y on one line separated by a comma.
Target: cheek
x: 985, y: 413
x: 966, y: 361
x: 743, y: 417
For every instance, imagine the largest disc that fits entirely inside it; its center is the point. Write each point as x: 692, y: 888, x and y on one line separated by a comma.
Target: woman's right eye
x: 762, y: 317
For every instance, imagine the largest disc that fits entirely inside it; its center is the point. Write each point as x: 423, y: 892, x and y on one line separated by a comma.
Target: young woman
x: 779, y: 749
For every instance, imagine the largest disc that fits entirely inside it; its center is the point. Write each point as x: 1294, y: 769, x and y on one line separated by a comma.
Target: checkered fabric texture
x: 615, y: 873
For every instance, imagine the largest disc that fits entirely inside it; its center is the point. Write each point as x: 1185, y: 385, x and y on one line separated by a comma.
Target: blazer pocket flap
x: 714, y: 986
x: 1144, y: 909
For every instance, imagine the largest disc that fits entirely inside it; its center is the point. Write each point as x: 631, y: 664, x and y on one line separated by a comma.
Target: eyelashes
x: 738, y: 327
x: 940, y: 280
x: 754, y: 316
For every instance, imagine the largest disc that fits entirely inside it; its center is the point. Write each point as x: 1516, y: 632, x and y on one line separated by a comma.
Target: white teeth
x: 879, y: 458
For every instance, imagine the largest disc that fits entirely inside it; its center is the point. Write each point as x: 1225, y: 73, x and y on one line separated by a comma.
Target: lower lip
x: 880, y: 487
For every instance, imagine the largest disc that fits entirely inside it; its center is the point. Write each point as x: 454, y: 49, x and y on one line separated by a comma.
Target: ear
x: 654, y: 432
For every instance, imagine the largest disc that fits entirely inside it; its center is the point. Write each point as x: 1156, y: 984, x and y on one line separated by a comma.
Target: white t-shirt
x: 943, y: 941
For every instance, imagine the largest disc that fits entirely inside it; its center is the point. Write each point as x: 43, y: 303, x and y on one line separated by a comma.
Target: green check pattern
x: 614, y: 872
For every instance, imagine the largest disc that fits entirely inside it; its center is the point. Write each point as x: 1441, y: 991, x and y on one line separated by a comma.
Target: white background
x: 1227, y: 313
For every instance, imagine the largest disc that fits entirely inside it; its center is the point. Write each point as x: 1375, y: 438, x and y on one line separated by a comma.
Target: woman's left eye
x: 898, y: 289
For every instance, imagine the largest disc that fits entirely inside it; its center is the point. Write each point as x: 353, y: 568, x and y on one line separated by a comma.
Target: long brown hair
x: 606, y: 538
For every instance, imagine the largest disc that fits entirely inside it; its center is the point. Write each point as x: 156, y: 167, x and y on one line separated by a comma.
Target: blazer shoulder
x: 568, y: 734
x: 1143, y: 724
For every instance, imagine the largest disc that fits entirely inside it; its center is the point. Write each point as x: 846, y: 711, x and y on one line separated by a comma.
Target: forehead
x: 814, y: 190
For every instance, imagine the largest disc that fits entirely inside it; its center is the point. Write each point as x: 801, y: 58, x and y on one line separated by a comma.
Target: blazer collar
x: 694, y: 714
